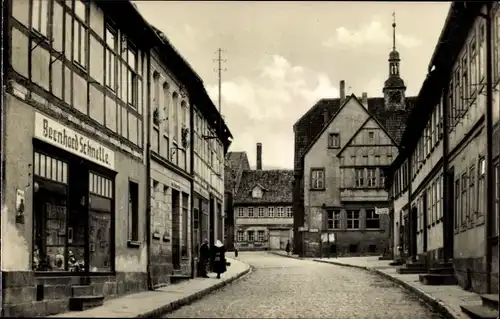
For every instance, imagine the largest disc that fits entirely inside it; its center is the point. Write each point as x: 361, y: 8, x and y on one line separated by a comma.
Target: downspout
x: 191, y: 171
x: 148, y: 173
x: 489, y: 146
x: 447, y: 196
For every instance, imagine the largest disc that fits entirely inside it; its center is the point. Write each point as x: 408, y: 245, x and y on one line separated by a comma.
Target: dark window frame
x: 133, y: 210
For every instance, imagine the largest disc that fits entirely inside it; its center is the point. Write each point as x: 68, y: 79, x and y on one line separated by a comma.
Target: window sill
x: 166, y: 239
x: 333, y: 147
x: 317, y: 189
x: 133, y: 244
x: 79, y: 66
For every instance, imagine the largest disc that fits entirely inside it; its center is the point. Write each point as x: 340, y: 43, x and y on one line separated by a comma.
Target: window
x: 372, y: 219
x: 251, y: 235
x: 175, y: 121
x: 381, y: 178
x: 372, y: 177
x: 496, y: 215
x: 389, y: 158
x: 289, y: 212
x: 359, y: 177
x: 371, y: 136
x: 334, y: 140
x: 240, y: 235
x: 241, y: 212
x: 79, y: 43
x: 317, y: 178
x: 261, y: 235
x: 496, y: 45
x: 261, y: 212
x: 465, y: 84
x: 250, y: 212
x: 434, y: 200
x: 110, y: 57
x: 132, y: 83
x: 481, y: 187
x: 482, y: 52
x: 457, y: 204
x: 428, y: 204
x: 281, y: 212
x: 353, y: 219
x: 472, y: 197
x: 473, y: 64
x: 458, y: 96
x: 166, y: 110
x: 464, y: 208
x: 440, y: 198
x: 334, y: 219
x: 133, y: 211
x: 40, y: 17
x: 270, y: 211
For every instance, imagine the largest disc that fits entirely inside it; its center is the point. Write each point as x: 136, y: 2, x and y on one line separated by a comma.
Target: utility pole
x: 220, y: 60
x: 219, y: 70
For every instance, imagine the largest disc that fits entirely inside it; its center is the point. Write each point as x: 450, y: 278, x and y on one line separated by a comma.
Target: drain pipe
x: 489, y: 146
x: 148, y: 174
x: 191, y: 171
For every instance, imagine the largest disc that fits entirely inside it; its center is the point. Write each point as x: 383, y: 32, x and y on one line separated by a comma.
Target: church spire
x: 394, y: 31
x: 394, y: 86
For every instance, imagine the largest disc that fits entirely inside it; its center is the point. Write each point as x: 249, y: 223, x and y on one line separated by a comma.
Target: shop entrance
x: 72, y: 214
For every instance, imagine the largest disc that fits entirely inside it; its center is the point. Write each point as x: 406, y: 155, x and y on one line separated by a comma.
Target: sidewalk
x: 159, y: 302
x: 445, y: 299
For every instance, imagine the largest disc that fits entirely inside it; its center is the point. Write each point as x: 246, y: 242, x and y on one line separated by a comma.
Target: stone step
x: 177, y: 278
x: 397, y: 263
x: 490, y: 301
x: 442, y: 264
x: 409, y: 271
x: 437, y: 279
x: 384, y: 258
x: 82, y: 290
x: 415, y: 265
x: 85, y: 302
x: 479, y: 312
x: 442, y: 271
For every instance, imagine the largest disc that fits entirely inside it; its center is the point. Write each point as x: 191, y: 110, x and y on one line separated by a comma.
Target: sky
x: 280, y: 58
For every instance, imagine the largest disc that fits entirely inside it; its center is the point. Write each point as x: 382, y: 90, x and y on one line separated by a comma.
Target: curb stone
x: 434, y: 302
x: 168, y: 308
x: 287, y: 256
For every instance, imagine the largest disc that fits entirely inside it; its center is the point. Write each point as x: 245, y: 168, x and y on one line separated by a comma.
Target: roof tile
x: 277, y: 186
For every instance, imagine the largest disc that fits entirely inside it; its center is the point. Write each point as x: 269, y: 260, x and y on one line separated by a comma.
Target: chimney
x: 342, y: 91
x: 364, y: 99
x: 259, y: 156
x: 325, y: 116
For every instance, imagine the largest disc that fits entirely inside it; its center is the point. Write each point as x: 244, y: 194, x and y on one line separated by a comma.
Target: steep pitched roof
x: 277, y: 186
x: 235, y: 162
x: 359, y: 130
x: 312, y: 123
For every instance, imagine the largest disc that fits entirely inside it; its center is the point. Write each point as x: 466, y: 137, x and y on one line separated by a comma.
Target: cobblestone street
x: 280, y: 287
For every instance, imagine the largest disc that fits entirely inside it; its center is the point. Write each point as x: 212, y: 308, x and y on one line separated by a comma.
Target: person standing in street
x: 204, y: 258
x: 288, y: 247
x: 219, y: 258
x: 236, y: 248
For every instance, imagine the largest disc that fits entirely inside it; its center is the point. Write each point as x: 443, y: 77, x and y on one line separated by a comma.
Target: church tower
x: 394, y: 86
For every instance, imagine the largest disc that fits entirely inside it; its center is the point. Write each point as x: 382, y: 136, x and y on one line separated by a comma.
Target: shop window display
x: 65, y: 228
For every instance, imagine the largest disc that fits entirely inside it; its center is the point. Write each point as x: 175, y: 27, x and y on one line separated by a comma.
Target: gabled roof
x: 235, y: 162
x: 388, y: 120
x: 278, y: 185
x: 311, y: 124
x: 371, y: 117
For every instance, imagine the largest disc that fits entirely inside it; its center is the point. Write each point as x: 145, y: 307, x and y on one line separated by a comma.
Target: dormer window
x: 257, y: 192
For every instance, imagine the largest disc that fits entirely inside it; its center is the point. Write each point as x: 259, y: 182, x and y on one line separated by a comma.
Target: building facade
x: 74, y: 154
x: 342, y: 147
x: 100, y: 192
x: 236, y: 163
x: 263, y: 208
x: 170, y: 170
x: 454, y: 210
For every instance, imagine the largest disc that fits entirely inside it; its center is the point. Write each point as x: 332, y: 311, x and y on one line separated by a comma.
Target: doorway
x: 413, y: 231
x: 176, y: 240
x: 211, y: 222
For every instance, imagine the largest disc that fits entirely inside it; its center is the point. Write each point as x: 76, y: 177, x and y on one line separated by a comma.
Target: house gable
x: 371, y: 133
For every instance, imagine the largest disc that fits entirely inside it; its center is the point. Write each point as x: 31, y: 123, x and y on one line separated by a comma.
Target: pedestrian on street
x: 204, y: 258
x: 236, y: 247
x: 288, y: 247
x: 219, y: 257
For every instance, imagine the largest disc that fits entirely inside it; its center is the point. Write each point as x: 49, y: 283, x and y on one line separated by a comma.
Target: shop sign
x: 381, y: 211
x: 52, y: 132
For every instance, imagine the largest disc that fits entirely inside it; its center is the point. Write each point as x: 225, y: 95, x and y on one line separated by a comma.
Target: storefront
x: 68, y: 221
x: 73, y: 201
